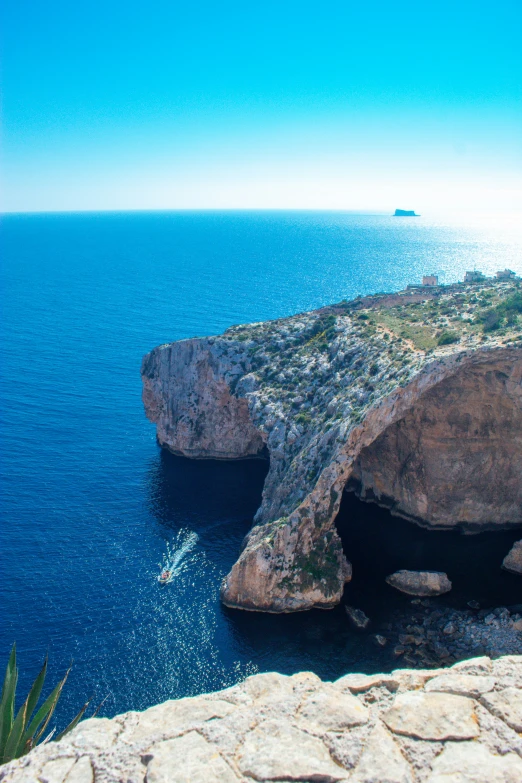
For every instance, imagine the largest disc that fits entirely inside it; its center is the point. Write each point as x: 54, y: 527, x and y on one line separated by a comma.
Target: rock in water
x: 513, y: 560
x: 357, y: 617
x: 420, y: 582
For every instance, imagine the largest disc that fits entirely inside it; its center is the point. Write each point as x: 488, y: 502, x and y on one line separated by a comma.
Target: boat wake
x: 175, y: 560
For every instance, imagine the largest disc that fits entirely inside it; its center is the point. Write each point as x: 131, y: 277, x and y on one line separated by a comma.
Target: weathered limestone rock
x: 422, y: 583
x: 471, y: 685
x: 442, y: 464
x: 432, y: 716
x: 481, y: 665
x: 382, y: 760
x: 277, y: 728
x: 330, y: 710
x: 187, y: 759
x: 276, y: 751
x: 57, y: 769
x: 357, y: 395
x: 82, y: 772
x: 178, y: 715
x: 513, y: 560
x: 357, y: 617
x: 467, y: 762
x: 187, y: 393
x: 506, y: 704
x: 359, y: 683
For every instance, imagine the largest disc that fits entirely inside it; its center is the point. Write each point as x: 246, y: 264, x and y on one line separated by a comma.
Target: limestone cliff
x: 411, y: 726
x: 413, y: 400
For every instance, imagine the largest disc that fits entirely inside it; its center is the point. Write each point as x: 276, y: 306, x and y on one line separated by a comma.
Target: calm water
x: 91, y: 506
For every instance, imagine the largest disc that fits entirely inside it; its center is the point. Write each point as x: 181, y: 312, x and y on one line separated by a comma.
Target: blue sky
x: 333, y: 104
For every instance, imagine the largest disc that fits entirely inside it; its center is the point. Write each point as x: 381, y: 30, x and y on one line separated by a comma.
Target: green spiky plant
x: 18, y: 735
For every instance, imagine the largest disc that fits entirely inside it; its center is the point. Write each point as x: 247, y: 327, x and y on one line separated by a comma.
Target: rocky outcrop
x: 513, y: 560
x: 455, y: 458
x: 428, y: 634
x: 358, y: 619
x: 188, y: 392
x: 423, y: 583
x: 410, y: 726
x: 358, y: 394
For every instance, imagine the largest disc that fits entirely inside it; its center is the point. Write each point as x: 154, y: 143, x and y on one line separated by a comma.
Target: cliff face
x: 456, y: 456
x: 410, y: 726
x: 187, y: 392
x: 361, y: 393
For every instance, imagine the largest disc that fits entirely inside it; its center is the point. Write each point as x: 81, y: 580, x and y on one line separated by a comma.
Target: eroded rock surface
x: 430, y: 635
x: 324, y: 393
x: 439, y: 726
x: 454, y: 459
x: 513, y: 560
x: 423, y: 583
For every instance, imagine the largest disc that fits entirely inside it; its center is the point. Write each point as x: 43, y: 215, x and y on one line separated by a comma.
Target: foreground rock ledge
x: 411, y: 726
x: 359, y: 395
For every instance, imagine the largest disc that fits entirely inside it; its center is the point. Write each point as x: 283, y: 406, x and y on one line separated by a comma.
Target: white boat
x: 165, y: 577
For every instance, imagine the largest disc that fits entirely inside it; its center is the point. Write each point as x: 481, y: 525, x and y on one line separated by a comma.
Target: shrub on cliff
x: 506, y: 312
x: 448, y: 338
x: 491, y: 320
x: 18, y: 735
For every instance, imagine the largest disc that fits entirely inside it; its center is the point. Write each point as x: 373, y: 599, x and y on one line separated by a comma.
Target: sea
x: 92, y: 508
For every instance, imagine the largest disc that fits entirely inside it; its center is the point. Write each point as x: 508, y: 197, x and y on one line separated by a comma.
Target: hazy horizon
x: 352, y: 108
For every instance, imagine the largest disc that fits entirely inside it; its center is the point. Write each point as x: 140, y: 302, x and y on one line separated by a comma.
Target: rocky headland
x: 457, y: 725
x: 411, y: 400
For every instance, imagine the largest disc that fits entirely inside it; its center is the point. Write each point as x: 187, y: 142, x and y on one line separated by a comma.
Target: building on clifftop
x: 474, y: 277
x: 506, y: 274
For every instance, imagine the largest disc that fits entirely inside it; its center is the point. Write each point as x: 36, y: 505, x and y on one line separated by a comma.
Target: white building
x: 506, y: 274
x: 474, y: 277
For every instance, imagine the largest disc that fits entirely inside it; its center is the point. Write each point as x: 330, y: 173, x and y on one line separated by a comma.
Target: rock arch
x: 296, y: 562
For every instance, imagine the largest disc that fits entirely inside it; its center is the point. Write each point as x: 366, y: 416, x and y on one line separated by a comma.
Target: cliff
x: 413, y: 400
x: 411, y: 726
x: 405, y: 213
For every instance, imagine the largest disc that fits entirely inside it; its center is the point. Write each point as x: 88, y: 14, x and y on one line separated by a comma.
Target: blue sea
x: 90, y: 505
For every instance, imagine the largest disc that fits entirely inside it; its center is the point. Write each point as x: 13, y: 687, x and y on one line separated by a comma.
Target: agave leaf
x: 74, y: 721
x: 36, y: 690
x: 50, y: 705
x: 8, y: 699
x: 30, y: 704
x: 15, y: 734
x: 43, y: 714
x: 100, y: 705
x: 49, y: 737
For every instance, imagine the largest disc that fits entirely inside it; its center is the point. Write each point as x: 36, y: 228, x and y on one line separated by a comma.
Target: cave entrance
x: 378, y: 543
x: 455, y: 458
x: 451, y: 465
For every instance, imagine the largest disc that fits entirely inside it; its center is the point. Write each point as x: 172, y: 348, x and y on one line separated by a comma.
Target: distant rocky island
x: 405, y: 213
x: 412, y: 400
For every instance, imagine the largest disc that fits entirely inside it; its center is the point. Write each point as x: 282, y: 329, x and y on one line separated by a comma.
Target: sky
x: 332, y: 104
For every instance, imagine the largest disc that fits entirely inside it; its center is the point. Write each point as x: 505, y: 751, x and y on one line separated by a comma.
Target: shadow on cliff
x: 378, y: 543
x: 214, y: 498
